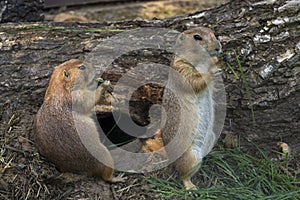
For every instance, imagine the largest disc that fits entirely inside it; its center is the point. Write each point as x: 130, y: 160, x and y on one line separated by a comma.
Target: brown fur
x: 193, y: 77
x: 186, y: 63
x: 55, y: 133
x: 155, y: 145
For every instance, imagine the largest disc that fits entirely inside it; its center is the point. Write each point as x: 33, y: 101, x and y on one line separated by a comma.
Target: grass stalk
x: 245, y: 83
x: 57, y: 28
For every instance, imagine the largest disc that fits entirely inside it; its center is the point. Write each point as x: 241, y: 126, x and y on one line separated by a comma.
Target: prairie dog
x: 73, y: 90
x: 188, y: 113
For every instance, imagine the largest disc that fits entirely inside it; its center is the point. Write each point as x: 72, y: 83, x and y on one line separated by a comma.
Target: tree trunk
x: 265, y: 35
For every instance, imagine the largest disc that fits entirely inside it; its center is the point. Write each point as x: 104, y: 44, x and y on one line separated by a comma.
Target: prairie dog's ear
x: 181, y: 37
x: 66, y: 75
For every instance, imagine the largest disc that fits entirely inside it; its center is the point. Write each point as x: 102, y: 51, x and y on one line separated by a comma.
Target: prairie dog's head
x: 70, y: 75
x: 197, y: 45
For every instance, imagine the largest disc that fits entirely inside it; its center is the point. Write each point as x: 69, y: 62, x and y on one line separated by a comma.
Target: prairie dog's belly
x: 204, y: 136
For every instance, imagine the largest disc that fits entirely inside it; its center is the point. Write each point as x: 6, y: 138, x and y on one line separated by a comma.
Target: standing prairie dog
x: 72, y: 91
x: 188, y: 112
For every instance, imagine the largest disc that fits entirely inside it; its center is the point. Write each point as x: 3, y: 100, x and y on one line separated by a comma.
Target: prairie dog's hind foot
x: 189, y: 185
x: 120, y: 178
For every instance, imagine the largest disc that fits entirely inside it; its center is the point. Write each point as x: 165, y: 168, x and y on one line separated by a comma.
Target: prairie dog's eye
x: 197, y: 37
x: 82, y: 67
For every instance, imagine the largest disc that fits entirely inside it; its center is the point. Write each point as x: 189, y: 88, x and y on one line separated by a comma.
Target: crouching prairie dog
x: 72, y: 91
x: 189, y: 115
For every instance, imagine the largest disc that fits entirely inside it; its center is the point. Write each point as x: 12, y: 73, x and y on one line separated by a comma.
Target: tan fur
x: 195, y: 79
x: 186, y: 62
x: 155, y: 145
x: 55, y: 133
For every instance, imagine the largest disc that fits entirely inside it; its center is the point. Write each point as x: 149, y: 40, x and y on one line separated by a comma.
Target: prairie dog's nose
x: 218, y: 47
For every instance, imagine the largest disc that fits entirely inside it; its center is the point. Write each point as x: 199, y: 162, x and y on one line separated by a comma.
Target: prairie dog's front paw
x: 107, y: 86
x: 106, y: 83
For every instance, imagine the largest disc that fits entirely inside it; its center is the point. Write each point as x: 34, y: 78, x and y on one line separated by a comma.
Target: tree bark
x: 21, y: 11
x: 264, y: 35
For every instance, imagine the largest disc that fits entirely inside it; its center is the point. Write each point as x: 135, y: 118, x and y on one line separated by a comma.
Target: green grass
x: 245, y: 83
x: 33, y: 27
x: 233, y: 71
x: 232, y: 174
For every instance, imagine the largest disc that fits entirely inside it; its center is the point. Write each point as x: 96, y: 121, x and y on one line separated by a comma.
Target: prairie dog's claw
x: 119, y: 178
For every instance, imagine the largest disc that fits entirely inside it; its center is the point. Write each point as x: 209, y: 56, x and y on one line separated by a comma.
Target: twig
x: 113, y: 192
x: 14, y: 149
